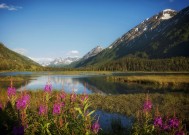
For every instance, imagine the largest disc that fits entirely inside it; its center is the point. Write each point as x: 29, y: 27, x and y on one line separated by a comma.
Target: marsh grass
x: 81, y: 72
x: 129, y: 104
x: 163, y: 80
x: 15, y: 78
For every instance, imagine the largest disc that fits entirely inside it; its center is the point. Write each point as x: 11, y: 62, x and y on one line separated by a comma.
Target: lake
x: 91, y: 83
x: 83, y: 83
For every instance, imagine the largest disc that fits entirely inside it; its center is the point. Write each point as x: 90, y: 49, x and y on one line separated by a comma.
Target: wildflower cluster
x: 48, y: 88
x: 1, y: 107
x: 23, y: 102
x: 149, y: 124
x: 96, y: 127
x: 168, y: 125
x: 11, y: 92
x: 52, y: 113
x: 57, y: 108
x: 42, y: 110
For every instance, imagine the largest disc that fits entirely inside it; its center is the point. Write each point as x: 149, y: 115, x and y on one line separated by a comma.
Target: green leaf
x: 91, y: 113
x: 79, y: 110
x: 86, y: 107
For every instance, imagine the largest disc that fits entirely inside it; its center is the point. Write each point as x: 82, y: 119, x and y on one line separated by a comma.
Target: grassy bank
x: 15, y: 79
x: 81, y: 72
x: 153, y: 79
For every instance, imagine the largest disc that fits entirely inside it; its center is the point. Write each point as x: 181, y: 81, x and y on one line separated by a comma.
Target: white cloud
x: 20, y: 51
x: 9, y: 7
x: 72, y: 53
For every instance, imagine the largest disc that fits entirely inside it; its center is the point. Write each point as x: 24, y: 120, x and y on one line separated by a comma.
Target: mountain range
x: 164, y: 35
x: 61, y: 62
x: 162, y: 39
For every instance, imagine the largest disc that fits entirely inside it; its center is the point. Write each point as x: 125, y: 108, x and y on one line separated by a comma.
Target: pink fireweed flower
x: 180, y: 133
x: 96, y: 127
x: 11, y: 91
x: 48, y: 88
x: 57, y: 108
x: 165, y: 127
x: 73, y: 97
x: 174, y: 122
x: 84, y: 97
x: 147, y: 105
x: 1, y: 107
x: 23, y: 102
x: 63, y: 104
x: 158, y: 122
x: 42, y: 110
x: 63, y: 95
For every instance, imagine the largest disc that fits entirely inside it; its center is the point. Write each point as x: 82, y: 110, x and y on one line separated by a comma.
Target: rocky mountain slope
x: 163, y: 35
x: 95, y: 51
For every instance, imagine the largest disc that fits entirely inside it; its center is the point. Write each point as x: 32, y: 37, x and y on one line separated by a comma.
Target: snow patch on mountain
x: 93, y: 52
x: 167, y: 14
x: 147, y: 25
x: 171, y: 10
x: 63, y: 61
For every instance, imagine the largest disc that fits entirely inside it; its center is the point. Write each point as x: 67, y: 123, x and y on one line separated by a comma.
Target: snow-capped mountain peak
x: 167, y: 14
x: 171, y: 10
x: 63, y: 61
x: 147, y: 25
x: 93, y: 52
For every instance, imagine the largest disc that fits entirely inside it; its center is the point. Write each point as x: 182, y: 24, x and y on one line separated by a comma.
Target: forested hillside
x: 10, y: 60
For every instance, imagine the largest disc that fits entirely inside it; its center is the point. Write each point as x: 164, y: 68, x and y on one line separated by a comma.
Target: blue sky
x: 61, y: 28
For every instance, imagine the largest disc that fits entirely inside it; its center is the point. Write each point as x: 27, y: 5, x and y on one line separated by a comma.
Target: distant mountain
x: 11, y: 60
x: 164, y: 35
x: 60, y: 62
x: 93, y: 52
x: 87, y: 56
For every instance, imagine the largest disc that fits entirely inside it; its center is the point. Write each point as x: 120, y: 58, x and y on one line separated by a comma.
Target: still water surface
x: 81, y: 83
